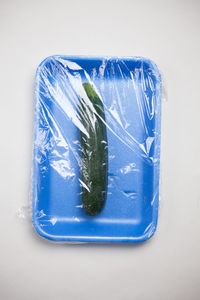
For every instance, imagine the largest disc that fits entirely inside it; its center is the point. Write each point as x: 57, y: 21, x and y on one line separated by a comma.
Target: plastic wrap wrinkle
x: 78, y: 101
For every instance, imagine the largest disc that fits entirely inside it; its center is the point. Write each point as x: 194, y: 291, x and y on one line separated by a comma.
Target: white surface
x: 168, y: 266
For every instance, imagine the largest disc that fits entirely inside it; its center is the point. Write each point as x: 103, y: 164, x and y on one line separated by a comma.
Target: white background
x: 168, y: 266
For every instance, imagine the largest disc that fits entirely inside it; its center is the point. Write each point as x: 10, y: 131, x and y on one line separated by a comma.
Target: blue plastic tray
x: 131, y: 210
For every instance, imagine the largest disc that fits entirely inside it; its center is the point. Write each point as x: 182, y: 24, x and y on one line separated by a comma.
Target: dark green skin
x: 94, y: 153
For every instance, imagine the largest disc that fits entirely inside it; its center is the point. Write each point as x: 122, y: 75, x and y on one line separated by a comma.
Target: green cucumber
x: 94, y: 152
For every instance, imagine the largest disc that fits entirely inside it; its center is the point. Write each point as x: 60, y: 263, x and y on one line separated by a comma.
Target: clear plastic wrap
x: 96, y: 149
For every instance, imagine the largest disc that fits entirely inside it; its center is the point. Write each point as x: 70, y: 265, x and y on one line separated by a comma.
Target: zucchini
x: 94, y: 152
